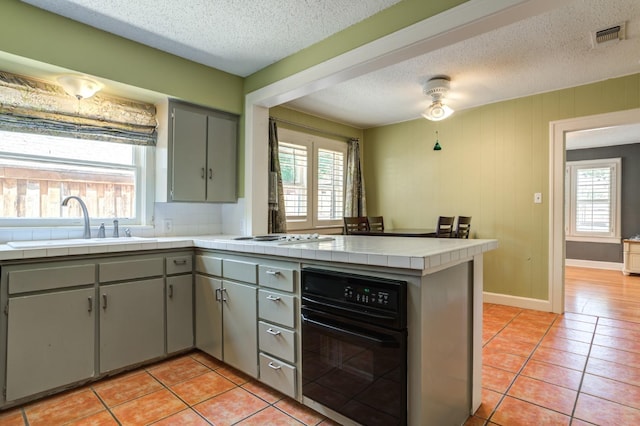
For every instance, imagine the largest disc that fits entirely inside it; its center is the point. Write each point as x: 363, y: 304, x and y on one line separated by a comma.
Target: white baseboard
x: 517, y: 301
x: 614, y: 266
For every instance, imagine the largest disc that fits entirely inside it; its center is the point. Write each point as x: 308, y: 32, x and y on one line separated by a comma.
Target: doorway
x: 557, y: 133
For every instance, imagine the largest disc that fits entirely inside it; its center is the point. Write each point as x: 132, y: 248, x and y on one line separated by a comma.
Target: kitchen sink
x: 77, y: 242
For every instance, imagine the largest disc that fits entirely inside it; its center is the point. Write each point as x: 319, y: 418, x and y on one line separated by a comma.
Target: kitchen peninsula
x: 444, y: 306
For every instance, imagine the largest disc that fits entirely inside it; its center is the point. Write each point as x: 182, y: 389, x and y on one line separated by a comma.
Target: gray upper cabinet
x: 202, y: 154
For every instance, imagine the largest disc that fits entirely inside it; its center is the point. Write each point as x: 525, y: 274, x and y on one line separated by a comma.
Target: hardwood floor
x: 601, y: 292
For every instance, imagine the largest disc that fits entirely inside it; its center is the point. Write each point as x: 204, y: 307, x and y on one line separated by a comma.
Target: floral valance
x: 34, y: 106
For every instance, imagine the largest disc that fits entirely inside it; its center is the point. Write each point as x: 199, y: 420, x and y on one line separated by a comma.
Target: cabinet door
x: 221, y: 158
x: 240, y: 326
x: 179, y: 312
x: 50, y: 341
x: 188, y: 155
x: 208, y: 315
x: 131, y: 323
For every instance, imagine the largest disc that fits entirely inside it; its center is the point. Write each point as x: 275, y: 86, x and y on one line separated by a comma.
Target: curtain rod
x: 314, y: 129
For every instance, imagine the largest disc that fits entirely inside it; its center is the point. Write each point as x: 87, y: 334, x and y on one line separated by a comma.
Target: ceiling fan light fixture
x: 437, y: 88
x: 78, y: 86
x: 437, y: 111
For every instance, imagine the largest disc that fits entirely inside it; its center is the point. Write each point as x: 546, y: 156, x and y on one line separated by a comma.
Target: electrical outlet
x: 167, y: 226
x: 537, y: 198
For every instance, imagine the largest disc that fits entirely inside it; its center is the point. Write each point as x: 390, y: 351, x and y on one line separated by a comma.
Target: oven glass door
x: 354, y: 369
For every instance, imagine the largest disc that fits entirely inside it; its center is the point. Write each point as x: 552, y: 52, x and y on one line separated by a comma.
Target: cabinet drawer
x: 278, y: 278
x: 130, y: 269
x: 179, y: 264
x: 277, y: 341
x: 277, y: 307
x: 240, y: 271
x: 23, y: 281
x: 209, y: 265
x: 634, y: 247
x: 278, y: 375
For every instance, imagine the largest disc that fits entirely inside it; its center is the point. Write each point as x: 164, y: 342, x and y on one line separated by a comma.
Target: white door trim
x: 557, y: 131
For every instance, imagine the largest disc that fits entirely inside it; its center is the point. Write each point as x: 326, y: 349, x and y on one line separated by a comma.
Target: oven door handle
x: 354, y: 311
x: 341, y: 330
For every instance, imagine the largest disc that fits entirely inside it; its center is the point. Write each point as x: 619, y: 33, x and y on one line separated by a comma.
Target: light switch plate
x: 537, y: 197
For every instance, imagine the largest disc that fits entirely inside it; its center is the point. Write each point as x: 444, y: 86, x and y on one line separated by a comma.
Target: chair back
x: 376, y: 223
x: 355, y: 223
x: 464, y: 227
x: 445, y: 227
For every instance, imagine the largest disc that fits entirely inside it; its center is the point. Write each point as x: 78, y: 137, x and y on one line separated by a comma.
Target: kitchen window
x: 313, y: 177
x: 593, y: 189
x: 38, y: 171
x: 53, y: 145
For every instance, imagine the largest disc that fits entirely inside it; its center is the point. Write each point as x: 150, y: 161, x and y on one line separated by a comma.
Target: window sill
x: 602, y: 240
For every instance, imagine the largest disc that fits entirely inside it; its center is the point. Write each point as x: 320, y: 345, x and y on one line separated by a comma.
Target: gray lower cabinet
x: 208, y: 315
x: 179, y: 313
x: 239, y: 326
x: 50, y: 341
x: 226, y: 311
x: 131, y: 323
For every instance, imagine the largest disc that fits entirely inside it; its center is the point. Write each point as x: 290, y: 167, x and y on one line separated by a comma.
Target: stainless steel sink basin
x: 77, y: 242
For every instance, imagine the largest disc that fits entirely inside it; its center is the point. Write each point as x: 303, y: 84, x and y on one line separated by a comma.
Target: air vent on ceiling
x: 608, y: 35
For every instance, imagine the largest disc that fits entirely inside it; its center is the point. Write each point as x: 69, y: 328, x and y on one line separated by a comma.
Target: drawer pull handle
x: 274, y: 273
x: 217, y: 294
x: 104, y: 302
x: 275, y: 367
x: 170, y: 291
x: 273, y: 298
x: 273, y: 332
x: 90, y: 304
x: 179, y: 261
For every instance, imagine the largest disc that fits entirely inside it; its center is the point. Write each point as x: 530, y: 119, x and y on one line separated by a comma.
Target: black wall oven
x: 354, y: 345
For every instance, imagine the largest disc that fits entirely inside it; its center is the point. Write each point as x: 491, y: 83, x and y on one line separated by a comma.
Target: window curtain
x: 277, y: 214
x: 355, y: 199
x: 34, y: 106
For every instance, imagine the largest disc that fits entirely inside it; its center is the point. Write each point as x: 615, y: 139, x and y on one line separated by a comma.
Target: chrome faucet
x: 85, y: 213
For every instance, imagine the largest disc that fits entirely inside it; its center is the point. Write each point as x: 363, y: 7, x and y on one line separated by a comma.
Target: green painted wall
x: 398, y: 16
x: 36, y: 34
x: 493, y: 159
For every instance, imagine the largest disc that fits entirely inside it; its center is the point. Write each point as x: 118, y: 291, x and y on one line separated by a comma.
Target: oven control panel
x: 367, y: 296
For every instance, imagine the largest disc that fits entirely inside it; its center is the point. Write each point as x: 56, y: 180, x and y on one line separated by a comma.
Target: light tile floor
x: 539, y: 368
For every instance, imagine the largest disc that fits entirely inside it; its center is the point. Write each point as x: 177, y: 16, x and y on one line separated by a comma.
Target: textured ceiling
x: 541, y: 53
x: 237, y: 36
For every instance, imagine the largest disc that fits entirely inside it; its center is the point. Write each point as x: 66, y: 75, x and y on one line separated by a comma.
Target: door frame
x: 557, y: 131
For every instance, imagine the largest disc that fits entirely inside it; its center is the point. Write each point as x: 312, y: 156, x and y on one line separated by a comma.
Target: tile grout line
x: 584, y: 370
x: 517, y: 374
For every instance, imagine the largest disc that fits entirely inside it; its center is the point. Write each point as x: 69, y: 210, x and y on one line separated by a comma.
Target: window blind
x: 593, y: 199
x: 32, y: 106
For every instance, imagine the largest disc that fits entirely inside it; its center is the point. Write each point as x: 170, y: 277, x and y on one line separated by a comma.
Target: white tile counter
x: 395, y: 252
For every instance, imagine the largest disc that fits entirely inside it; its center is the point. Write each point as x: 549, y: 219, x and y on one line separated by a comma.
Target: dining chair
x: 376, y: 223
x: 464, y: 227
x: 355, y: 223
x: 445, y: 227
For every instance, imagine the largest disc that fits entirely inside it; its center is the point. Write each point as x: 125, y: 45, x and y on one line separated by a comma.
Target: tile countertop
x: 395, y: 252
